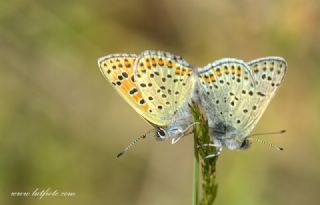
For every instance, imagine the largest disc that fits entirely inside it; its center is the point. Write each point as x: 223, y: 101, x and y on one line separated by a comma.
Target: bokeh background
x: 61, y: 123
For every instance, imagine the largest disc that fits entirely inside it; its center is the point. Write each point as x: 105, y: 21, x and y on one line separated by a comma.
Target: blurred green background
x: 61, y: 123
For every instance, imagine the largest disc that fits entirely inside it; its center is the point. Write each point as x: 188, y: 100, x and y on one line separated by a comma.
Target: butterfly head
x: 169, y: 132
x: 230, y: 137
x: 245, y: 144
x: 161, y: 133
x: 234, y: 141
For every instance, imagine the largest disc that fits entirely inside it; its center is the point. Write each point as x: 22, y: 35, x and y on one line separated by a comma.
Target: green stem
x: 195, y: 175
x: 208, y: 166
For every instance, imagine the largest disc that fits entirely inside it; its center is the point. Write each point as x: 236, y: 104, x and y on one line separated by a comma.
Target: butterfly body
x: 178, y: 127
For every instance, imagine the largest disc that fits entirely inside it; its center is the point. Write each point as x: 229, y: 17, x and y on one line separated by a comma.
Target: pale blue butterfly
x: 234, y: 95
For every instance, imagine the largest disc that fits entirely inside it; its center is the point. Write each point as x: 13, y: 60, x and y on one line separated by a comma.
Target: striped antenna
x: 133, y: 143
x: 268, y: 133
x: 268, y: 143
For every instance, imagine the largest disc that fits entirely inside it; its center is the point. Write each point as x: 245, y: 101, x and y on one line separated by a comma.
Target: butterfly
x: 158, y: 85
x: 235, y: 94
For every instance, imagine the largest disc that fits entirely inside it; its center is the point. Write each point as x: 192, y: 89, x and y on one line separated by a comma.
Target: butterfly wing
x: 166, y: 83
x: 226, y: 89
x: 268, y: 74
x: 118, y: 69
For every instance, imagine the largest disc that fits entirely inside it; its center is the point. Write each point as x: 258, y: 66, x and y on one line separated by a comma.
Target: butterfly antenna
x: 133, y: 143
x: 268, y: 133
x: 269, y: 144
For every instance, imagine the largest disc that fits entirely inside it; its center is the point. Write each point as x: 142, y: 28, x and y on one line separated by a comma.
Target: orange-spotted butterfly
x: 234, y: 95
x: 158, y: 85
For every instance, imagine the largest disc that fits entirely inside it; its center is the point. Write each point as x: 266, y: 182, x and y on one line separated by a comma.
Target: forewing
x: 226, y: 89
x: 118, y: 69
x: 268, y: 74
x: 166, y: 83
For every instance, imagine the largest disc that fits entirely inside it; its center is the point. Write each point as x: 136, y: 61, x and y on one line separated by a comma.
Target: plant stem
x: 208, y: 165
x: 195, y: 193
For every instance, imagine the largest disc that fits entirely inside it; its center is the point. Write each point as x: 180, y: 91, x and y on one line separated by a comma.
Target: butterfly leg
x: 215, y: 154
x: 183, y: 133
x: 206, y: 145
x: 175, y: 140
x: 216, y: 143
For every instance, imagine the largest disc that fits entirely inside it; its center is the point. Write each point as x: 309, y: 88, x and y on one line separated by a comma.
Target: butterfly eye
x: 161, y: 133
x: 245, y: 144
